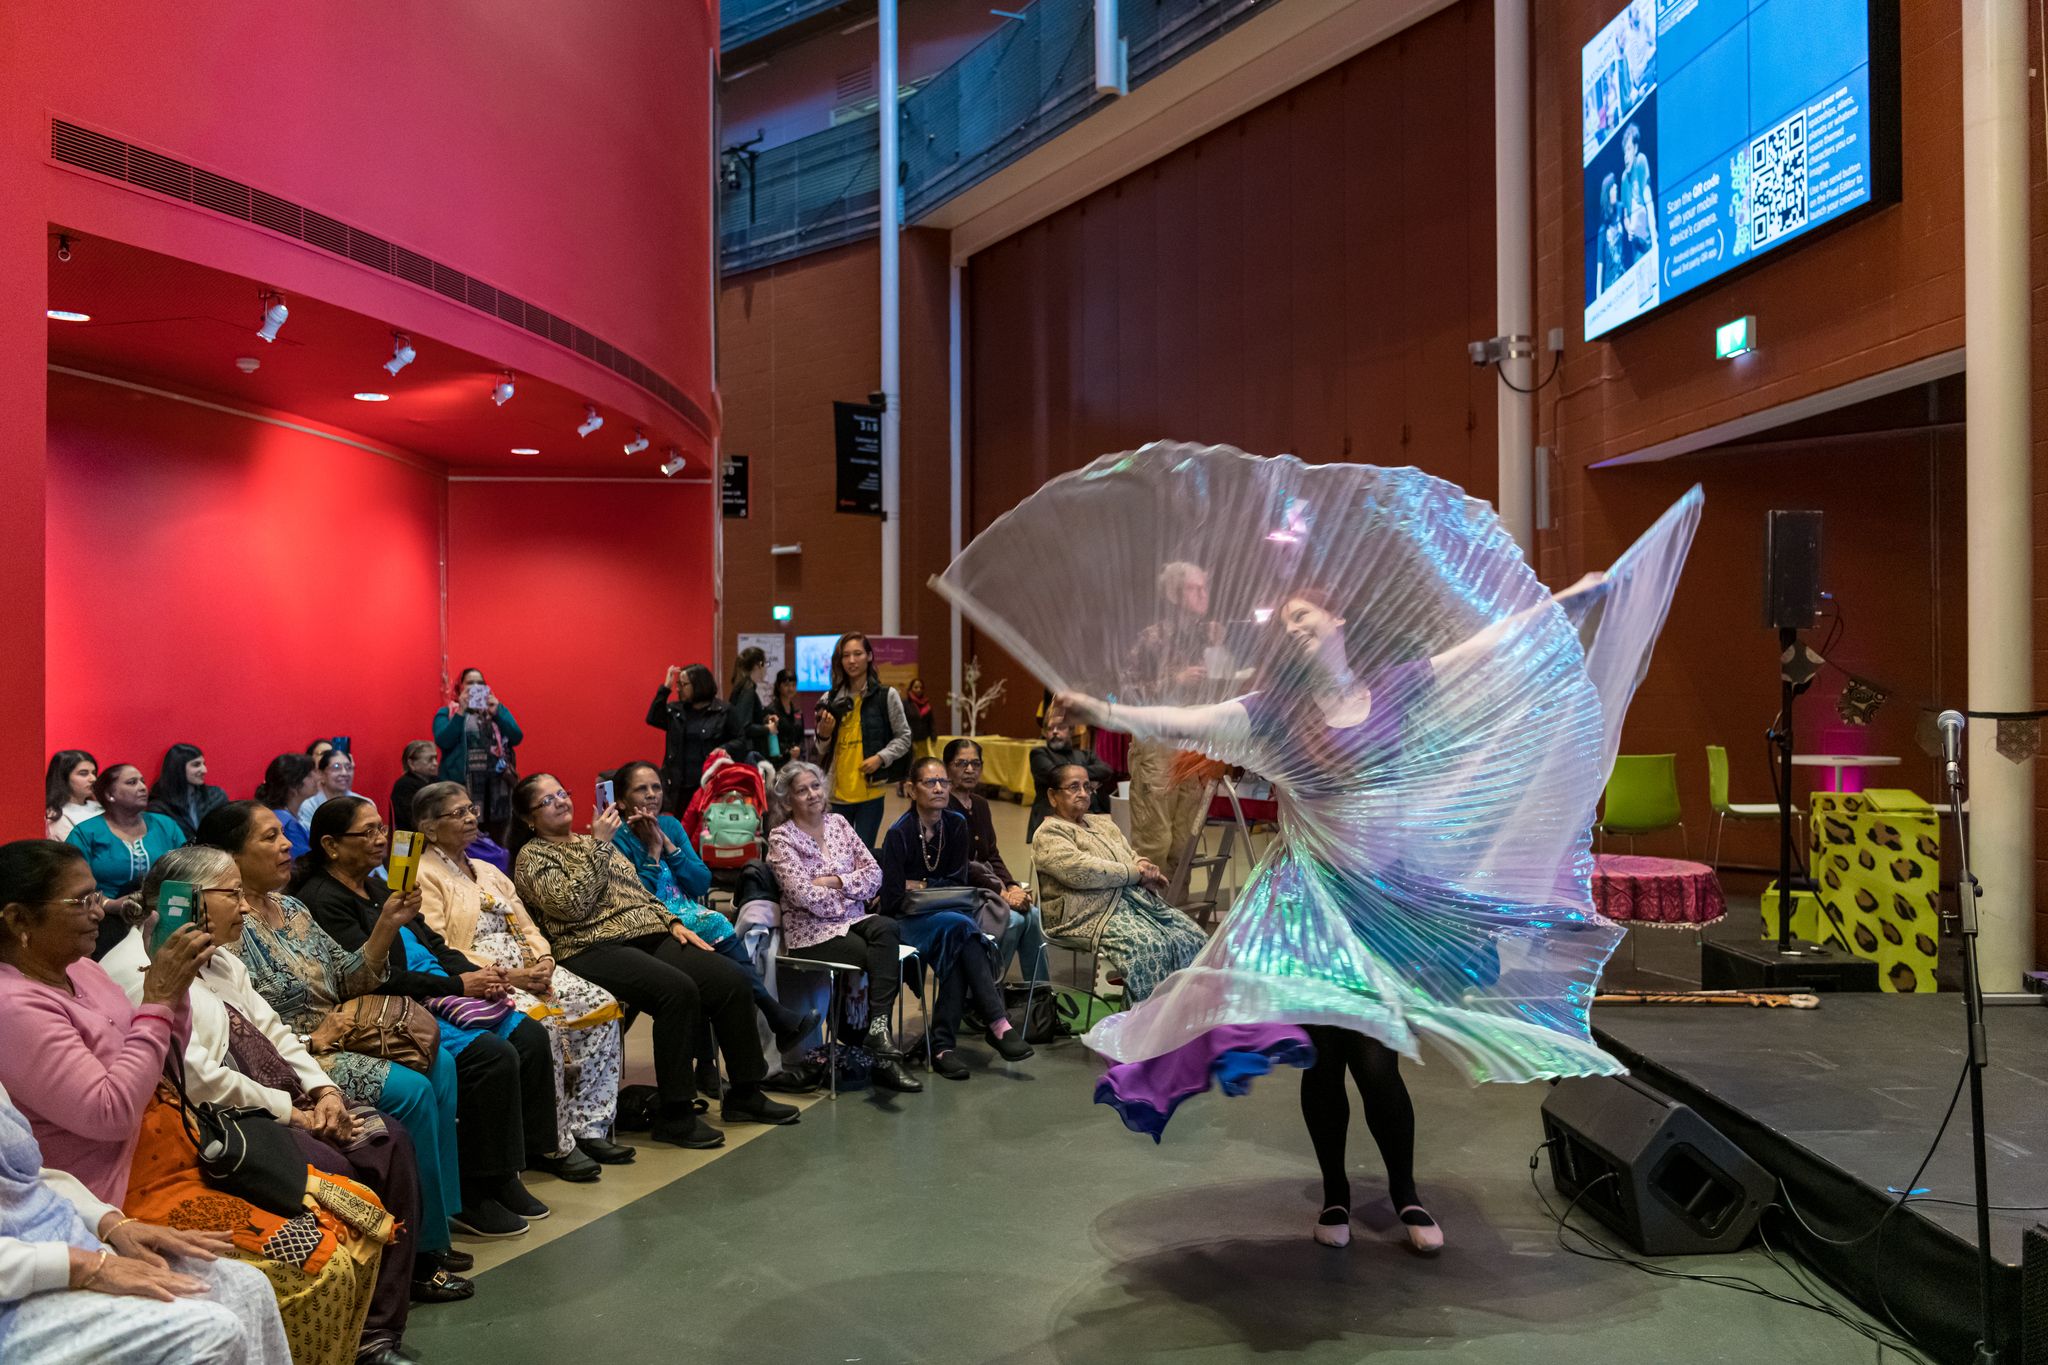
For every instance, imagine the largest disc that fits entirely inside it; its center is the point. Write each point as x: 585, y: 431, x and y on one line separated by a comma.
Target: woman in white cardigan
x: 80, y: 1283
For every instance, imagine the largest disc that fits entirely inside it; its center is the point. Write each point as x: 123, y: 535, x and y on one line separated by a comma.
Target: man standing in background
x: 1172, y: 663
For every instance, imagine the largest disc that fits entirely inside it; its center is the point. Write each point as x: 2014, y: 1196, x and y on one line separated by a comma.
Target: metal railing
x: 1014, y: 91
x: 747, y: 21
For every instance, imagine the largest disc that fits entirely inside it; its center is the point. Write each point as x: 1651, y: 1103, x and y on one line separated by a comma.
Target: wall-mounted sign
x: 857, y: 438
x: 734, y: 486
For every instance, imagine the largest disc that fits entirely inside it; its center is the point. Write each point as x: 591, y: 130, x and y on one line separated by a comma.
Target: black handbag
x: 932, y: 900
x: 1035, y: 1012
x: 243, y: 1151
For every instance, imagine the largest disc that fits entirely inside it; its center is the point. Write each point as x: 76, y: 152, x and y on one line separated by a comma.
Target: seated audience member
x: 1094, y: 886
x: 67, y: 790
x: 785, y: 726
x: 696, y: 722
x: 85, y: 1068
x: 927, y: 850
x: 477, y: 734
x: 673, y: 874
x: 422, y: 762
x: 504, y: 1065
x: 122, y: 841
x: 181, y: 791
x: 337, y: 778
x: 241, y: 1055
x: 1025, y: 936
x: 473, y: 906
x: 286, y: 784
x: 305, y: 976
x: 609, y: 930
x: 1056, y: 751
x: 82, y: 1283
x: 828, y: 876
x: 317, y: 748
x: 747, y: 718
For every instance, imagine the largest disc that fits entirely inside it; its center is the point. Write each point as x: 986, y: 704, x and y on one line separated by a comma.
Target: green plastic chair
x: 1642, y: 797
x: 1726, y: 810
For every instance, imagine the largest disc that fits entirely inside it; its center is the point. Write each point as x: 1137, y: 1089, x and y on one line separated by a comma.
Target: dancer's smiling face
x: 1310, y: 626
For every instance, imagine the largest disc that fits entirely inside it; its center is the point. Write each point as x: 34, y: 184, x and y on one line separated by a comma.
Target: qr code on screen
x: 1777, y: 182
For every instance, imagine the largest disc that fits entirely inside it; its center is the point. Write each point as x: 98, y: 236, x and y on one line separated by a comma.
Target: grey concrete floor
x: 1008, y: 1219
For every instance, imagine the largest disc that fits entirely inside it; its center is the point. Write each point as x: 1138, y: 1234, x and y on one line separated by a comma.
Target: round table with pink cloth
x: 1668, y: 892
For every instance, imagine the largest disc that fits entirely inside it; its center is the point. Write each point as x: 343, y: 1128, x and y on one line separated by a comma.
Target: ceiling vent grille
x: 86, y: 149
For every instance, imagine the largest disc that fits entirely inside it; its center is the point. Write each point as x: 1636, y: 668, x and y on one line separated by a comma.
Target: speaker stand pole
x: 1788, y: 899
x: 1968, y: 892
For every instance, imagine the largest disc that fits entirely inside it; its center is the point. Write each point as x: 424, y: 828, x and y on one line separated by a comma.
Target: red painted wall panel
x: 574, y: 598
x: 234, y: 584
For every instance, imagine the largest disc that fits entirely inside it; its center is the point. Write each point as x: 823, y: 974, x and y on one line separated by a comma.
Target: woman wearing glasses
x: 304, y: 975
x: 1093, y: 885
x: 504, y: 1068
x: 475, y: 909
x: 926, y: 850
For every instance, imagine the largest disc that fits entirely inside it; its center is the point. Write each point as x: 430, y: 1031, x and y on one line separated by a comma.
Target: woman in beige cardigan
x: 1093, y: 885
x: 474, y: 907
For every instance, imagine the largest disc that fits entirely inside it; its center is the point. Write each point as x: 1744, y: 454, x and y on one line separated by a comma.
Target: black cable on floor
x: 1898, y: 1342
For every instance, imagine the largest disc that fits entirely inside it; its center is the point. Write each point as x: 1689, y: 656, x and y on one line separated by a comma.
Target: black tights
x: 1326, y: 1108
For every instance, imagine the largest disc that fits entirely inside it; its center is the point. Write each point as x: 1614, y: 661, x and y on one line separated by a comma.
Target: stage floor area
x: 1841, y: 1103
x: 1008, y: 1219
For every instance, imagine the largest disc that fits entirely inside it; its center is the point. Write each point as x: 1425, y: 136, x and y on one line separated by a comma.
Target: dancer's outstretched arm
x: 1224, y: 722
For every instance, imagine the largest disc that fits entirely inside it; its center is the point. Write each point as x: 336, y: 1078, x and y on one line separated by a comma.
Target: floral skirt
x: 582, y: 1020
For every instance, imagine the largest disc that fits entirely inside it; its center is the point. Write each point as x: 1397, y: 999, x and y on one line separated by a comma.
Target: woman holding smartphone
x: 864, y: 730
x: 477, y: 734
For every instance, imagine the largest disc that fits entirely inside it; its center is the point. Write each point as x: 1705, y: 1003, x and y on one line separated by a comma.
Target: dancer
x: 1438, y: 729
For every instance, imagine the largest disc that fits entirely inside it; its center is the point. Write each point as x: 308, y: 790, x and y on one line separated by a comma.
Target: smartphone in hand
x: 478, y: 697
x: 605, y: 798
x: 176, y: 903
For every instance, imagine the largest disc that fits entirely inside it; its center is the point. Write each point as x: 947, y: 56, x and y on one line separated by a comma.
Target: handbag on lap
x: 387, y: 1026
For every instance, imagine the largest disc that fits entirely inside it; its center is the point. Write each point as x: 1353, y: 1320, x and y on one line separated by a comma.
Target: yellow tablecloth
x: 1006, y: 763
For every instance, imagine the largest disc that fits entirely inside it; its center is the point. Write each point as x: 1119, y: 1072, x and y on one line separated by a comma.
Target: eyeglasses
x: 973, y: 763
x: 92, y: 900
x: 460, y: 812
x: 1077, y: 788
x: 241, y: 896
x: 375, y: 831
x: 935, y: 784
x: 557, y: 798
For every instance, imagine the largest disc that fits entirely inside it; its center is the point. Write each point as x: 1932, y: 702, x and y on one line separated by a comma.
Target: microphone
x: 1951, y: 724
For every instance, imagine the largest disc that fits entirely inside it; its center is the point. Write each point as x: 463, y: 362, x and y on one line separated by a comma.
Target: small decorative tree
x: 973, y: 702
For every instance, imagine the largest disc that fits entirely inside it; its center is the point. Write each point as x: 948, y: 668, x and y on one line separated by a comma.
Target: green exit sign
x: 1735, y: 338
x: 781, y: 613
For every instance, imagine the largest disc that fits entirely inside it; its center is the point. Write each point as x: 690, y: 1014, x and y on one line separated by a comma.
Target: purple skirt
x: 1145, y: 1094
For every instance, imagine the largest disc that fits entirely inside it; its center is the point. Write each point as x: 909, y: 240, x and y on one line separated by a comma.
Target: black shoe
x: 461, y: 1262
x: 443, y: 1286
x: 1011, y: 1045
x: 572, y: 1166
x: 488, y: 1219
x: 516, y: 1198
x: 888, y: 1074
x: 800, y: 1028
x: 757, y: 1108
x: 604, y: 1152
x: 692, y: 1132
x: 386, y: 1355
x: 798, y: 1080
x: 710, y: 1085
x: 949, y: 1065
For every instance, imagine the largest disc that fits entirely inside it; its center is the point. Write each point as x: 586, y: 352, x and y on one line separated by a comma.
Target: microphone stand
x: 1968, y: 892
x: 1781, y: 736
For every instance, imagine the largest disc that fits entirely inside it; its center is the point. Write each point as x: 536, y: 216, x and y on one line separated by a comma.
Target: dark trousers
x: 971, y: 977
x: 684, y: 990
x: 504, y: 1105
x: 870, y: 944
x: 384, y: 1163
x: 1326, y: 1108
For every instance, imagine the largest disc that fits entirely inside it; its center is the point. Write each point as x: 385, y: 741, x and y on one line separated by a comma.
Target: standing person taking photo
x: 864, y: 734
x: 687, y: 709
x: 476, y: 735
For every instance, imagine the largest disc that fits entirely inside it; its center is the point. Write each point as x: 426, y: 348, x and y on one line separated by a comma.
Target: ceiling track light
x: 637, y: 444
x: 274, y: 314
x: 402, y: 353
x: 63, y: 246
x: 591, y: 421
x: 674, y: 464
x: 501, y: 392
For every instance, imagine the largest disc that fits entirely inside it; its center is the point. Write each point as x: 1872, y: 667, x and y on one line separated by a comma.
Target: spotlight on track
x: 637, y: 444
x: 501, y: 392
x: 402, y: 353
x: 274, y: 315
x: 591, y: 421
x: 673, y: 465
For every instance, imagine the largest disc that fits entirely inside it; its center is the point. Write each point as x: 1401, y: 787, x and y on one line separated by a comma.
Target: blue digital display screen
x: 814, y: 662
x: 1714, y: 131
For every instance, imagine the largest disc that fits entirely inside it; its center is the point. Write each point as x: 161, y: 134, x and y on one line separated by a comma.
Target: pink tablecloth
x: 1665, y: 891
